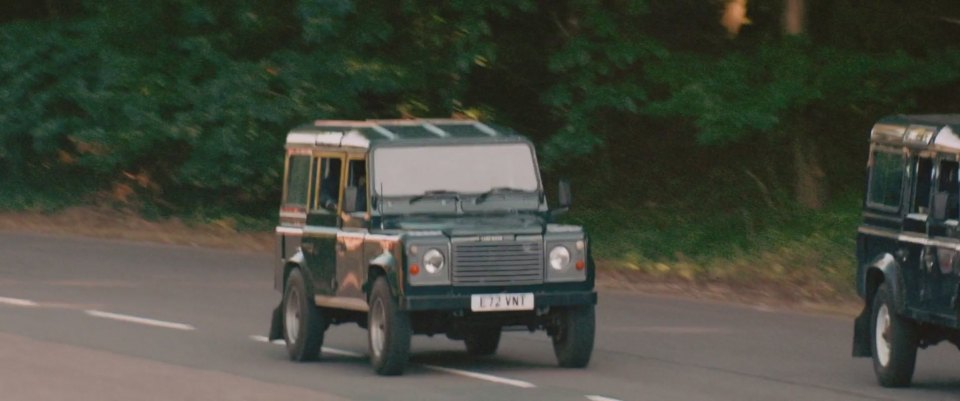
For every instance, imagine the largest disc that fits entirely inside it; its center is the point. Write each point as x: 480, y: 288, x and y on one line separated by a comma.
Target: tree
x: 791, y: 89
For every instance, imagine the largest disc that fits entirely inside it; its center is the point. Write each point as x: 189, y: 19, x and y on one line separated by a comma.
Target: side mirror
x: 563, y: 195
x: 565, y: 198
x: 351, y: 199
x: 940, y: 200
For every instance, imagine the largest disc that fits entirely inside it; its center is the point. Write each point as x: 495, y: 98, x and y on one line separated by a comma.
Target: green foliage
x: 188, y: 103
x: 746, y: 93
x: 601, y: 62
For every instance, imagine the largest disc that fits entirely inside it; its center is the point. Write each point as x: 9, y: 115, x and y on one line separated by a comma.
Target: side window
x: 329, y: 183
x: 948, y: 184
x: 921, y: 190
x: 886, y: 179
x: 298, y: 180
x: 357, y: 177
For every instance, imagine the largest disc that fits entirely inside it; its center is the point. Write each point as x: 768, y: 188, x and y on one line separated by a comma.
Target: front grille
x: 497, y: 263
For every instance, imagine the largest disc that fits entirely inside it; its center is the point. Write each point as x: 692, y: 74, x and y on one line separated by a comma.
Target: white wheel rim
x: 882, y: 339
x: 377, y: 327
x: 291, y: 318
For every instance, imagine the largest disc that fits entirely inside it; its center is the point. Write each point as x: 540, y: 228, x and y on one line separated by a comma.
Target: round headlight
x: 433, y: 261
x: 559, y: 257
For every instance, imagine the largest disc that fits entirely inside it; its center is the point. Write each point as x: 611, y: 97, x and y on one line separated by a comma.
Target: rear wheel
x: 482, y: 341
x: 303, y: 322
x: 573, y: 336
x: 389, y: 331
x: 894, y: 342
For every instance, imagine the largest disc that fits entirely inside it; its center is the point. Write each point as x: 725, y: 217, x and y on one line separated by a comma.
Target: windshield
x: 464, y: 169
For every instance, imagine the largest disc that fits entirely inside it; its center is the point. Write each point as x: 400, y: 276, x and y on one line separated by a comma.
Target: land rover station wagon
x: 426, y: 227
x: 908, y: 246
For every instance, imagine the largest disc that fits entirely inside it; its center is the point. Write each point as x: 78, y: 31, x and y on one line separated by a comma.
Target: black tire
x: 573, y: 336
x: 482, y: 341
x: 894, y: 368
x: 388, y: 330
x: 303, y: 322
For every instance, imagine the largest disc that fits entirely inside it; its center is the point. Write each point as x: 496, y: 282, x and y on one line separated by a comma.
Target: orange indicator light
x: 581, y: 265
x: 414, y: 270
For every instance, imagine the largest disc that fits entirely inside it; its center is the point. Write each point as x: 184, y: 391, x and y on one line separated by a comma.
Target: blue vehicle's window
x: 298, y: 181
x: 886, y: 179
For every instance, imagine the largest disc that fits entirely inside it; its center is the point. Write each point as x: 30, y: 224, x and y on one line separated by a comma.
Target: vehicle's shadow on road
x: 943, y: 385
x: 462, y: 360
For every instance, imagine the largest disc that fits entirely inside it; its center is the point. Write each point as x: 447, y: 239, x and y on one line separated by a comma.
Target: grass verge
x: 792, y: 254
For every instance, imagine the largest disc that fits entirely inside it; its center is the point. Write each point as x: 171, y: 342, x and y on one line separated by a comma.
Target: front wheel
x: 573, y: 336
x: 303, y: 322
x: 389, y: 331
x: 894, y: 343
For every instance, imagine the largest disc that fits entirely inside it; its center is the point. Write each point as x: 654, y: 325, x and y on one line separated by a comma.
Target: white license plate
x: 501, y: 302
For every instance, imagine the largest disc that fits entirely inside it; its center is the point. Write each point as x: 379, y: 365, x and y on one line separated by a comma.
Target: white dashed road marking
x: 600, y: 398
x: 482, y: 376
x: 458, y: 372
x: 342, y: 352
x: 139, y: 320
x: 17, y: 302
x: 263, y: 339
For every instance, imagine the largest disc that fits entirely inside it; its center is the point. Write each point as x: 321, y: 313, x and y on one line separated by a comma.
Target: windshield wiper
x: 435, y: 194
x: 499, y: 190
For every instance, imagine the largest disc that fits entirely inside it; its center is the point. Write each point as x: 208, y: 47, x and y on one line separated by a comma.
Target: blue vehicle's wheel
x: 894, y: 340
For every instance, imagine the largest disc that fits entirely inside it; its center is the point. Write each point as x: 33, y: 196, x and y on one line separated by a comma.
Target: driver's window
x: 329, y: 184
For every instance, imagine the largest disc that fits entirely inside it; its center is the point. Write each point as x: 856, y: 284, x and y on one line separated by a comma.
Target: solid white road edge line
x: 139, y: 320
x: 17, y: 302
x: 482, y: 376
x: 600, y: 398
x: 458, y: 372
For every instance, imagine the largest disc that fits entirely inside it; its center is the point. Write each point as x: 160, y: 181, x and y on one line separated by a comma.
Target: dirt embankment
x: 113, y: 224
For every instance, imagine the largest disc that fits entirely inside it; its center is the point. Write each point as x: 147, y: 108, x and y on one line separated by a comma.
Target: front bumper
x: 458, y: 302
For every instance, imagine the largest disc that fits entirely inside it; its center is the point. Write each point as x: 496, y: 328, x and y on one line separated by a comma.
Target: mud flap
x: 276, y: 324
x: 861, y: 334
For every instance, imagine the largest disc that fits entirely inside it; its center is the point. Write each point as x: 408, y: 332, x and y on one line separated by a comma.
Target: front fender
x: 888, y: 266
x: 280, y: 273
x: 387, y: 262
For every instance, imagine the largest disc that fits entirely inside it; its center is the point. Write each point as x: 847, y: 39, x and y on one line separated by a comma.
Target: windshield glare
x: 466, y: 169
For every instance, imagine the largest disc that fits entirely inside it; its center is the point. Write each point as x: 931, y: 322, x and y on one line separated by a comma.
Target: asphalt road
x: 84, y: 319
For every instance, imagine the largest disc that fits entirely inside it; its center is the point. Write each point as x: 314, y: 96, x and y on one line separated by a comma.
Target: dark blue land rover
x: 426, y: 227
x: 908, y: 246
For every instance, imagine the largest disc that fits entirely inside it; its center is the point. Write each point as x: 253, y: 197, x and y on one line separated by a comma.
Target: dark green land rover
x: 426, y: 227
x: 908, y: 245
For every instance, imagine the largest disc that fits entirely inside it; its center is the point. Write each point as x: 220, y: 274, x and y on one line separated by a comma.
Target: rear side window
x: 886, y: 179
x: 298, y: 181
